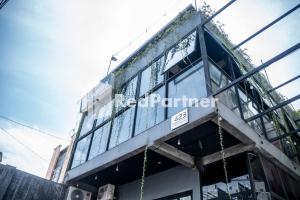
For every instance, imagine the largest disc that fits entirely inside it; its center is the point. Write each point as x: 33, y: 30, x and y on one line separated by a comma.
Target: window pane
x: 215, y: 74
x: 100, y: 139
x: 180, y: 51
x: 190, y: 84
x: 148, y: 115
x: 122, y: 127
x: 81, y: 151
x: 128, y: 92
x: 104, y: 112
x: 152, y: 76
x: 87, y: 124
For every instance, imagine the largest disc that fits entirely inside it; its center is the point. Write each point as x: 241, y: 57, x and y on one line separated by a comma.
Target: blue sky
x: 53, y: 52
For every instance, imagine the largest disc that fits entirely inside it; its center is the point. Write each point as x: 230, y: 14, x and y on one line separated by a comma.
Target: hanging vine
x: 144, y: 173
x: 220, y: 132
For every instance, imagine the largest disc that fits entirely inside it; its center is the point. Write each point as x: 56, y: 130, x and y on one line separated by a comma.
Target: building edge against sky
x: 185, y: 59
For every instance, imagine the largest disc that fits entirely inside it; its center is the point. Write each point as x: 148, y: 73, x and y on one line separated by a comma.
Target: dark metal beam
x: 257, y: 69
x: 285, y: 135
x: 267, y: 26
x: 273, y: 108
x: 2, y: 3
x: 204, y: 56
x: 283, y: 84
x: 218, y: 12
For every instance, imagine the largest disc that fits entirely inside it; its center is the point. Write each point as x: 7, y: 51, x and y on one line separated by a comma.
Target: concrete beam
x: 175, y: 154
x: 230, y: 151
x: 241, y: 130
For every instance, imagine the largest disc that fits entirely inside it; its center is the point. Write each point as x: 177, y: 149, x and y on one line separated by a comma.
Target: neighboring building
x: 59, y: 162
x: 183, y: 158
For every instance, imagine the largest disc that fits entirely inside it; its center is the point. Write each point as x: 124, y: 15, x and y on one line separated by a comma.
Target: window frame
x: 109, y: 123
x: 188, y: 67
x: 88, y: 150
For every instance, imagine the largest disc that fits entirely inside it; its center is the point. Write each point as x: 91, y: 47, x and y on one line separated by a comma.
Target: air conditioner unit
x: 78, y: 194
x: 106, y: 192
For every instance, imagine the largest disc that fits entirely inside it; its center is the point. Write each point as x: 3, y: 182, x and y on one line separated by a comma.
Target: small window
x: 180, y: 51
x: 122, y: 127
x: 152, y: 76
x: 149, y: 113
x: 81, y: 151
x: 100, y: 140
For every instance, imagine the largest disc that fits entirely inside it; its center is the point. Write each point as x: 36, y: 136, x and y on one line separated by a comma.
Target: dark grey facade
x: 185, y: 59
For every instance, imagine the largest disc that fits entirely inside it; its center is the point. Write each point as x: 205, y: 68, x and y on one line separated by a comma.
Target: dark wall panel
x: 19, y: 185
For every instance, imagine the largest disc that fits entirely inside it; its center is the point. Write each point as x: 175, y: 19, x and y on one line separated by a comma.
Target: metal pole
x: 204, y: 56
x: 267, y: 26
x: 274, y: 108
x: 257, y: 69
x: 283, y: 84
x: 218, y: 12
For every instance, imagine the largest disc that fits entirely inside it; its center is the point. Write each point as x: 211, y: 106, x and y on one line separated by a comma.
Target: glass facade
x: 87, y: 124
x: 100, y: 140
x: 180, y: 51
x: 190, y: 84
x: 128, y: 91
x: 152, y: 76
x: 114, y: 126
x: 122, y: 127
x: 148, y: 116
x: 104, y: 112
x: 81, y: 151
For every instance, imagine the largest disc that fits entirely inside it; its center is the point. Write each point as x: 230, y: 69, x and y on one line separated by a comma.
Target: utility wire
x: 24, y: 145
x: 156, y: 22
x: 32, y: 128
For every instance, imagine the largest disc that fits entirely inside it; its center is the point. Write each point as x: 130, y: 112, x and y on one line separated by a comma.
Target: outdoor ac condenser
x: 106, y: 192
x: 78, y: 194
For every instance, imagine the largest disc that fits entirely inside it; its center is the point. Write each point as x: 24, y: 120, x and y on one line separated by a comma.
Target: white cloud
x: 18, y: 155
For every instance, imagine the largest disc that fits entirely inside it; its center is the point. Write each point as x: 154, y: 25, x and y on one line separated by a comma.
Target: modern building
x: 245, y: 145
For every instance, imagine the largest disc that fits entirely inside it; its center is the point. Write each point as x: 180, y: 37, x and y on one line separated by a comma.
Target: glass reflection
x: 191, y: 84
x: 180, y: 51
x: 152, y: 76
x: 81, y: 151
x: 148, y: 115
x: 100, y: 140
x: 122, y: 127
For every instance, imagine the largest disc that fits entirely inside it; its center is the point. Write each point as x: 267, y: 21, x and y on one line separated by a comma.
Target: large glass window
x: 122, y: 127
x: 152, y: 76
x: 180, y: 51
x: 87, y: 124
x: 104, y: 112
x: 127, y: 92
x: 190, y: 84
x: 81, y: 151
x: 100, y: 140
x: 149, y: 113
